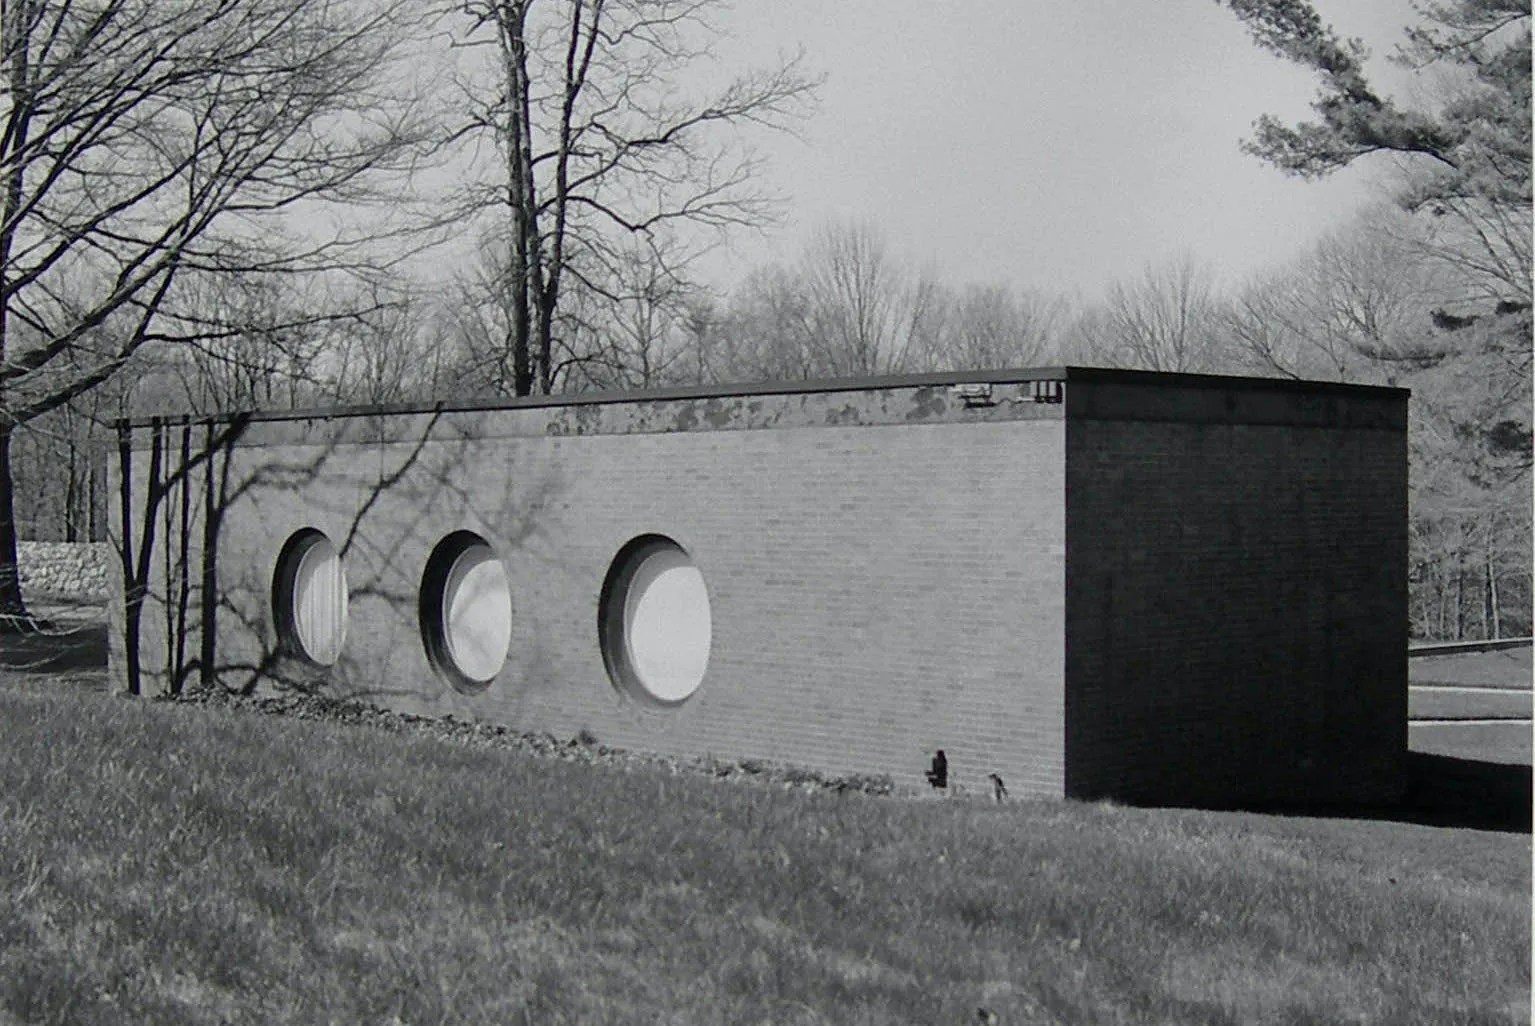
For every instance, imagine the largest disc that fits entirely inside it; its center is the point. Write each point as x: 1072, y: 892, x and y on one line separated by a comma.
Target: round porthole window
x: 654, y: 621
x: 466, y: 611
x: 309, y: 598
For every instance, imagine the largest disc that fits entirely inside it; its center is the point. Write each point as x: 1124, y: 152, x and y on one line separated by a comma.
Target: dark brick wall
x: 1236, y: 614
x: 885, y: 568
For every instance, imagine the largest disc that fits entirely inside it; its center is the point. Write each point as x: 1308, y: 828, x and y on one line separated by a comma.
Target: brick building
x: 1157, y: 588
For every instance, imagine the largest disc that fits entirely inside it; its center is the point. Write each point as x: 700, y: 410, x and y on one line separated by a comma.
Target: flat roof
x: 944, y: 379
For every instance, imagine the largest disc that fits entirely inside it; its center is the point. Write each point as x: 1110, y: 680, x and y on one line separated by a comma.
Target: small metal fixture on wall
x: 975, y: 395
x: 1048, y: 391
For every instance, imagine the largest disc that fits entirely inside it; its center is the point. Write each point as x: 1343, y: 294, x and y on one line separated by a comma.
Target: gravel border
x: 583, y: 748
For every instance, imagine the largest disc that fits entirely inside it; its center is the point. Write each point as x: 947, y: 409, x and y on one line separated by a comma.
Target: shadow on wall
x: 177, y: 491
x: 176, y: 516
x: 473, y: 540
x: 173, y: 505
x: 62, y: 645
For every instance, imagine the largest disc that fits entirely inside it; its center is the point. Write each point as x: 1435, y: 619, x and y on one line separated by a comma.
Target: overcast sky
x: 1056, y: 144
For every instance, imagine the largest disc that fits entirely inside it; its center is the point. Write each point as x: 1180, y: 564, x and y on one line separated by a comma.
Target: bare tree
x: 1470, y: 445
x: 1356, y: 307
x: 767, y: 332
x: 59, y: 460
x: 148, y: 143
x: 846, y: 307
x: 1164, y: 320
x: 266, y: 355
x: 869, y: 313
x: 1373, y: 303
x: 701, y: 320
x: 598, y: 145
x: 993, y: 326
x: 637, y: 334
x: 477, y: 316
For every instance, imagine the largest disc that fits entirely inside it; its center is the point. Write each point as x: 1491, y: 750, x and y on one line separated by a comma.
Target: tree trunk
x: 521, y: 194
x: 1495, y: 632
x: 1460, y: 596
x: 544, y: 356
x: 12, y: 607
x: 72, y: 491
x: 212, y: 514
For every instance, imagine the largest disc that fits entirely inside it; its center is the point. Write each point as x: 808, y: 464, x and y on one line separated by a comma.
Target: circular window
x: 466, y: 610
x: 654, y: 621
x: 309, y: 598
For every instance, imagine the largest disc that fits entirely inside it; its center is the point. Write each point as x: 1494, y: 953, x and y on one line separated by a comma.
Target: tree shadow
x: 55, y: 646
x: 178, y: 482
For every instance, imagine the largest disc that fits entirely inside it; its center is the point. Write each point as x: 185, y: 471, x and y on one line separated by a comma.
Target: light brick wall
x: 885, y: 570
x: 1236, y: 579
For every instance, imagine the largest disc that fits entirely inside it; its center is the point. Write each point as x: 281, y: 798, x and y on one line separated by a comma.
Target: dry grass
x: 168, y: 864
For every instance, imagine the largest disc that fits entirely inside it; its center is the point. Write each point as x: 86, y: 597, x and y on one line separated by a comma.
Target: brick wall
x: 1219, y: 617
x: 884, y: 568
x: 1236, y: 594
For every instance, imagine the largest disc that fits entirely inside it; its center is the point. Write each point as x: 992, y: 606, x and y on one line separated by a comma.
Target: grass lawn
x: 1507, y: 743
x: 174, y: 864
x: 1503, y: 668
x: 1468, y: 703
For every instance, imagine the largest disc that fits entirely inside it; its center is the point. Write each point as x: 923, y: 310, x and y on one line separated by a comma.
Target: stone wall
x: 77, y: 572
